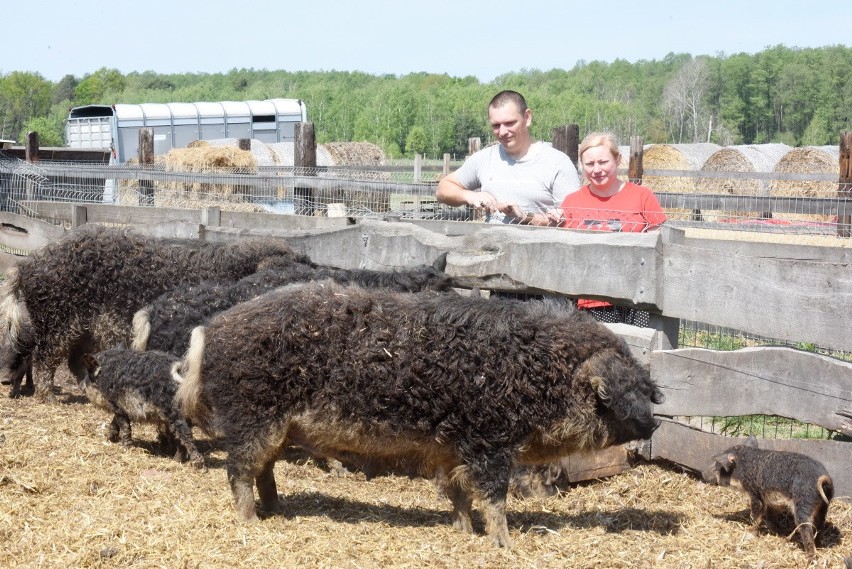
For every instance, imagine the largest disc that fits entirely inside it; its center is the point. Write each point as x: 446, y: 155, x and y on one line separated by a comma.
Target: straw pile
x: 69, y: 498
x: 355, y: 153
x: 688, y: 157
x: 744, y: 158
x: 807, y: 160
x: 203, y: 157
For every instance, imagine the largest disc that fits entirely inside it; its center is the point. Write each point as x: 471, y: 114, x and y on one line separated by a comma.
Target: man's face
x: 511, y: 127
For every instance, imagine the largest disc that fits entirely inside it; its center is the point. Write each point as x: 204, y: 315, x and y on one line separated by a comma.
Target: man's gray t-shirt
x: 535, y: 183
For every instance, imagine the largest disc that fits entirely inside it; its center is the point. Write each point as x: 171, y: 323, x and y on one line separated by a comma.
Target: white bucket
x: 336, y: 210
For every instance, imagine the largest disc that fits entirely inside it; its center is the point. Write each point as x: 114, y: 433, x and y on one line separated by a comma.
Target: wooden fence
x: 793, y: 293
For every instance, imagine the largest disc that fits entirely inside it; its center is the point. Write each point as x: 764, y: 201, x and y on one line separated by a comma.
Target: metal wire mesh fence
x: 355, y: 192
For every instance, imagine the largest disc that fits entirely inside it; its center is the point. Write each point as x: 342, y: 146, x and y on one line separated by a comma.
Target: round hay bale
x: 807, y: 160
x: 688, y: 157
x: 743, y: 159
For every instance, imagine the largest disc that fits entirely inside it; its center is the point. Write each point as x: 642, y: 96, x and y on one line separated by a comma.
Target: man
x: 519, y: 180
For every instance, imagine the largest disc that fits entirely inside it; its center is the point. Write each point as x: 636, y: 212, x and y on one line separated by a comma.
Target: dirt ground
x: 70, y: 498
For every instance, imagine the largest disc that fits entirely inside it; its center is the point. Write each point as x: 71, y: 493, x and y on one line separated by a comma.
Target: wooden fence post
x: 844, y: 186
x: 473, y: 145
x: 31, y: 156
x: 305, y: 163
x: 79, y: 216
x: 567, y: 139
x: 637, y: 153
x: 243, y: 191
x: 146, y: 159
x: 446, y: 169
x: 418, y: 167
x: 31, y: 151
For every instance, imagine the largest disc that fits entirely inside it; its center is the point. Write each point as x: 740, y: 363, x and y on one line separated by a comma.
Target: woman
x: 607, y: 203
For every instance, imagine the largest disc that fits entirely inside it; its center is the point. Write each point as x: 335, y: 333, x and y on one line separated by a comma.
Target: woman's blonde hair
x: 606, y: 139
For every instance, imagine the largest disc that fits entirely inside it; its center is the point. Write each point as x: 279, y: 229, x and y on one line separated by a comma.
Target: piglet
x: 777, y: 482
x: 140, y: 386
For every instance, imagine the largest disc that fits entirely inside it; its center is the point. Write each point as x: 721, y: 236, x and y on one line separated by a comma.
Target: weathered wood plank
x: 589, y: 466
x: 798, y: 385
x: 641, y: 341
x: 792, y: 299
x: 694, y: 449
x: 621, y: 267
x: 7, y: 261
x: 22, y: 233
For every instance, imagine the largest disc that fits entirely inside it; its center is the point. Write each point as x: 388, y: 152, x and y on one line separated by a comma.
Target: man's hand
x: 552, y: 218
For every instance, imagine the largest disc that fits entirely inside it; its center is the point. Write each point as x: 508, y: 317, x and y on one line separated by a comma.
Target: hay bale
x: 807, y: 160
x: 208, y: 158
x: 690, y: 157
x: 742, y: 158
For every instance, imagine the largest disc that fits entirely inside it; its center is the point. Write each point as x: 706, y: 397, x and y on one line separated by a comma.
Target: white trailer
x: 177, y: 124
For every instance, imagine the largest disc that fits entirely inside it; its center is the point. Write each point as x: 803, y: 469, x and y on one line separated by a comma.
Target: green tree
x: 64, y: 90
x: 50, y: 128
x: 416, y: 141
x: 23, y: 95
x: 94, y: 88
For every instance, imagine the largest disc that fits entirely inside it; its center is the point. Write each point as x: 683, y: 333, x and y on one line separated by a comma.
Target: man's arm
x: 451, y: 192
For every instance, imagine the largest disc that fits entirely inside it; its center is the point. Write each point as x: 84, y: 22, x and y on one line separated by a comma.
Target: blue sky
x: 460, y: 38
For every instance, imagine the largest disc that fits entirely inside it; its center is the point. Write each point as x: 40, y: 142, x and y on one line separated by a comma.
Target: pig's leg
x: 491, y: 475
x: 266, y: 488
x: 119, y: 431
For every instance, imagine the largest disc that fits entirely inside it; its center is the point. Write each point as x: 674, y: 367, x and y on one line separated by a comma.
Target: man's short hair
x: 508, y: 96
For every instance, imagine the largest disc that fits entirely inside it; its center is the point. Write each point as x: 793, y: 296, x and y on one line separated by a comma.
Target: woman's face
x: 600, y: 167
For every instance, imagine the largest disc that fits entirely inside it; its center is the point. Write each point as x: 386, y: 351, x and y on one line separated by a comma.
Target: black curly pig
x: 777, y: 482
x: 166, y: 323
x: 78, y: 295
x: 462, y: 388
x: 140, y: 387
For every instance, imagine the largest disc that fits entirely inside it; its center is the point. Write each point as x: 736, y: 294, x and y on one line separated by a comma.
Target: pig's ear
x: 725, y: 461
x: 751, y: 441
x: 92, y: 366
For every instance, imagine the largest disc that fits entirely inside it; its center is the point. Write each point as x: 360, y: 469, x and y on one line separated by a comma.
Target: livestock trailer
x: 177, y: 124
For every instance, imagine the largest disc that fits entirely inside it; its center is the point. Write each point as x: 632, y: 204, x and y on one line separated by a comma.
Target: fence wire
x: 389, y: 193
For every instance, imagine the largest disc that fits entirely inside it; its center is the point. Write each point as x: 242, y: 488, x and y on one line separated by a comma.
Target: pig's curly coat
x: 166, y: 323
x: 79, y: 294
x: 463, y: 387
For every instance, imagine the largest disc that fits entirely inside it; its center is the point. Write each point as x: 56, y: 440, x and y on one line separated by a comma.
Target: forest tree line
x: 798, y: 96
